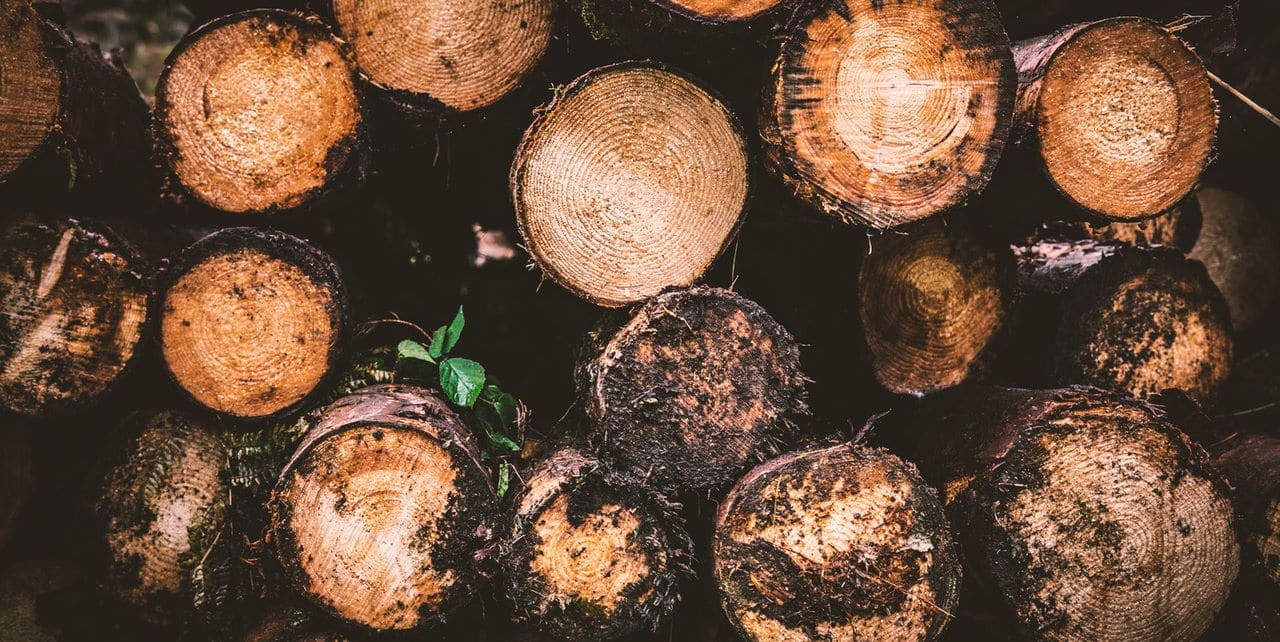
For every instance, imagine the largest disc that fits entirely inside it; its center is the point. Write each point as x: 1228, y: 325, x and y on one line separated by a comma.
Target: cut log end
x: 632, y: 180
x: 930, y: 302
x: 466, y: 54
x: 257, y: 112
x: 882, y: 113
x: 1123, y: 112
x: 393, y: 465
x: 30, y: 86
x: 588, y: 558
x: 842, y: 542
x: 73, y: 305
x: 166, y: 495
x: 714, y: 11
x: 698, y: 384
x: 1098, y: 508
x: 1142, y: 321
x: 252, y: 321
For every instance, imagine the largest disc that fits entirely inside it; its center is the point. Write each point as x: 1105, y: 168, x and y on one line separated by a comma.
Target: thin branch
x: 1262, y: 111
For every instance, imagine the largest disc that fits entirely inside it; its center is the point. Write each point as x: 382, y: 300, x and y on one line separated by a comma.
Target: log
x: 631, y: 180
x: 1240, y: 247
x: 590, y: 556
x: 718, y: 11
x: 73, y: 308
x: 257, y: 112
x: 1178, y: 227
x: 835, y: 543
x: 1251, y: 462
x: 1086, y: 515
x: 24, y: 585
x: 1134, y: 320
x: 252, y: 321
x: 160, y: 506
x: 461, y: 56
x: 71, y: 119
x: 691, y: 388
x: 380, y: 514
x: 930, y: 302
x: 1119, y: 111
x: 885, y: 113
x: 15, y: 478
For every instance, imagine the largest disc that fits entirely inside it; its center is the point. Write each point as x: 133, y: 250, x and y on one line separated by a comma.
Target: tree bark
x: 843, y: 542
x: 691, y: 389
x: 391, y: 464
x: 1086, y: 515
x: 1240, y: 247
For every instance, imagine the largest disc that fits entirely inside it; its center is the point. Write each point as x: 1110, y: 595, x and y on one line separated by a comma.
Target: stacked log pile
x: 641, y: 320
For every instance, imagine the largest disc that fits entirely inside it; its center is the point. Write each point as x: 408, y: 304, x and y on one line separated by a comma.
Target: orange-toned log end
x: 1097, y: 520
x: 1144, y: 320
x: 1240, y: 247
x: 882, y: 113
x: 252, y: 321
x: 1122, y: 114
x: 713, y: 11
x: 168, y: 490
x: 30, y: 86
x: 463, y: 54
x: 1252, y: 464
x: 257, y: 112
x: 837, y: 543
x: 632, y: 180
x: 930, y: 302
x: 694, y: 387
x: 380, y: 514
x: 73, y: 305
x: 590, y: 557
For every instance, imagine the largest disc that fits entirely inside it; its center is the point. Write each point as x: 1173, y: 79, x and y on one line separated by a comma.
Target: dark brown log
x: 461, y: 56
x: 882, y: 113
x: 73, y: 307
x: 71, y: 119
x: 633, y: 179
x: 1240, y: 247
x: 258, y: 112
x: 15, y: 477
x: 692, y: 388
x: 380, y: 514
x: 23, y: 586
x: 1134, y: 320
x: 590, y: 556
x: 283, y: 623
x: 1086, y: 515
x: 1121, y: 113
x: 1178, y: 227
x: 1252, y: 464
x: 160, y: 503
x: 836, y: 543
x: 252, y: 321
x: 930, y: 302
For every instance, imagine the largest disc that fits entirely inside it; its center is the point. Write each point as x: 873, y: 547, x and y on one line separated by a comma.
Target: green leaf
x: 437, y: 342
x: 408, y: 349
x: 504, y: 478
x: 462, y: 380
x: 446, y: 337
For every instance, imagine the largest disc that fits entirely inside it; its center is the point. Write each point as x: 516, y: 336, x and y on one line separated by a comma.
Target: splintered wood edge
x: 30, y: 77
x: 231, y: 165
x: 788, y: 560
x: 315, y: 274
x: 593, y: 273
x: 1133, y: 176
x: 813, y: 138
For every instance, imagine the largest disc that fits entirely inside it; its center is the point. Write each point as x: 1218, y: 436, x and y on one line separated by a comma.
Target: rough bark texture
x: 390, y: 464
x: 882, y: 113
x: 590, y: 556
x: 71, y: 119
x: 1086, y: 515
x: 837, y: 543
x: 1179, y: 227
x: 257, y: 112
x: 73, y: 307
x: 696, y: 385
x: 930, y: 302
x: 1135, y: 320
x: 159, y: 507
x: 252, y: 321
x: 1252, y: 464
x: 1240, y: 247
x: 1120, y: 112
x: 633, y: 179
